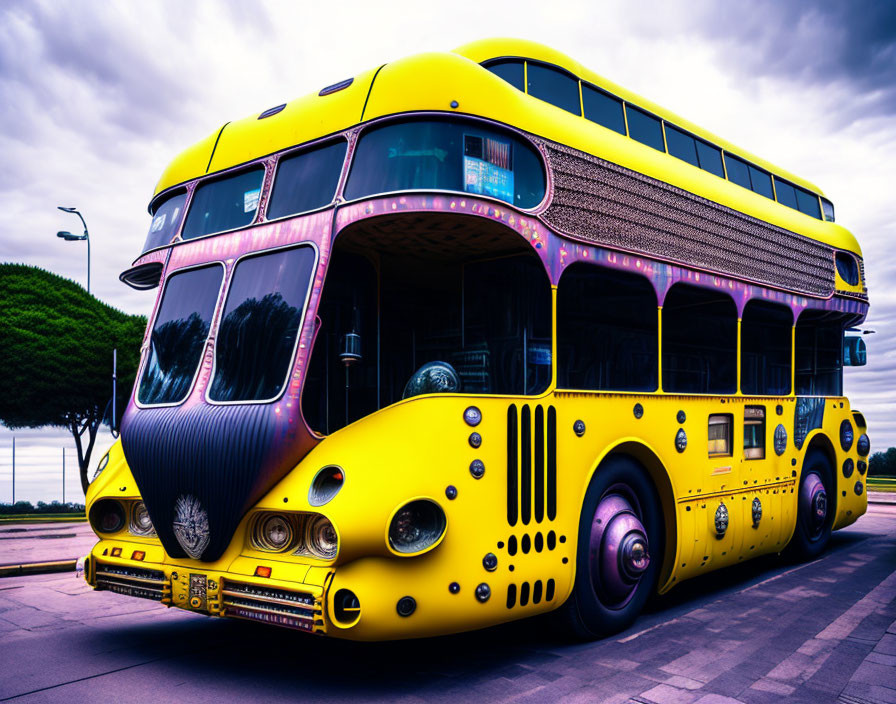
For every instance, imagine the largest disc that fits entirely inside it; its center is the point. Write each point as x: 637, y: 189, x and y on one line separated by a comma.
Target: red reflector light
x: 116, y: 552
x: 262, y: 571
x: 138, y: 555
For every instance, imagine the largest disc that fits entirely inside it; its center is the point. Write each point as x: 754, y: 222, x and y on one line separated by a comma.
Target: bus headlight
x: 321, y: 539
x: 140, y: 524
x: 863, y: 445
x: 846, y: 435
x: 417, y: 526
x: 273, y: 532
x: 107, y: 516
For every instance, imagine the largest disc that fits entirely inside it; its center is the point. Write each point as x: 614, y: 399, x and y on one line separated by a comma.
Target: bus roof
x: 486, y: 49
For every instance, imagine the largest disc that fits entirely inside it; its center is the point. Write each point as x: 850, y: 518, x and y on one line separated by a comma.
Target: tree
x: 883, y: 464
x: 56, y: 343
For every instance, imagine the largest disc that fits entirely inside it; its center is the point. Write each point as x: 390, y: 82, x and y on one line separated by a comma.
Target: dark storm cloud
x: 843, y: 41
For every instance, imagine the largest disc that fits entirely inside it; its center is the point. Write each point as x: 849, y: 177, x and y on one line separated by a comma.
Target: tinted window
x: 828, y: 209
x: 819, y: 354
x: 260, y: 325
x: 554, y: 87
x: 699, y: 341
x: 765, y: 341
x: 786, y: 193
x: 681, y: 145
x: 603, y: 109
x: 847, y: 267
x: 178, y: 335
x: 762, y: 182
x: 808, y: 203
x: 710, y: 158
x: 166, y: 219
x: 511, y: 71
x: 224, y: 204
x: 738, y: 172
x: 606, y: 330
x: 307, y: 180
x: 446, y: 155
x: 645, y: 128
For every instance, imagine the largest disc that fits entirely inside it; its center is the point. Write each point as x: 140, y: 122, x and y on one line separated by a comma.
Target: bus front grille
x: 531, y: 464
x: 133, y: 581
x: 281, y: 607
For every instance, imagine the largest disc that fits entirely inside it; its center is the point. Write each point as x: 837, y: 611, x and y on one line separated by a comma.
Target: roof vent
x: 336, y: 87
x: 271, y: 111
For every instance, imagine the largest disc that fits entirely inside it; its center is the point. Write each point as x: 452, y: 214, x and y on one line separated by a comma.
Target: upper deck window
x: 710, y: 158
x: 511, y: 70
x: 307, y: 180
x: 224, y: 204
x: 555, y: 87
x: 166, y: 218
x: 603, y: 108
x: 681, y: 145
x: 178, y: 335
x: 451, y: 155
x: 786, y: 193
x: 260, y: 325
x: 738, y: 171
x: 808, y: 203
x: 828, y: 208
x: 645, y: 128
x: 762, y: 182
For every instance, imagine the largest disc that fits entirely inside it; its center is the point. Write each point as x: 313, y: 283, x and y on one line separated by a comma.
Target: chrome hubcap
x: 618, y: 550
x: 814, y: 503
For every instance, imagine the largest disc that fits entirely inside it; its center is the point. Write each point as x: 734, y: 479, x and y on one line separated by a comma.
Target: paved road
x: 44, y: 542
x: 761, y: 632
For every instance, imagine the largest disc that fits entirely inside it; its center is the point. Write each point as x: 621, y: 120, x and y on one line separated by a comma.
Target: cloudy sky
x: 97, y: 97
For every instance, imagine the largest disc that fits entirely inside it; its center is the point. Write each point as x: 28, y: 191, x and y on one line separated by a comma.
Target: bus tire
x: 814, y: 517
x: 619, y: 551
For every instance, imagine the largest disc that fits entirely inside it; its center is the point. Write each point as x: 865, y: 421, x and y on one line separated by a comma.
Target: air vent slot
x: 531, y: 464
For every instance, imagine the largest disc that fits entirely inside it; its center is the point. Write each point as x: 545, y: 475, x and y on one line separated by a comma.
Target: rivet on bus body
x: 451, y: 492
x: 483, y: 592
x: 454, y: 587
x: 681, y: 440
x: 455, y: 104
x: 406, y: 606
x: 490, y: 562
x: 779, y: 409
x: 473, y: 416
x: 681, y: 417
x: 638, y: 410
x: 579, y: 428
x: 475, y: 439
x: 477, y: 469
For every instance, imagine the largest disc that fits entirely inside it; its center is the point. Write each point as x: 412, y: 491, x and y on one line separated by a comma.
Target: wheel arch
x: 647, y: 457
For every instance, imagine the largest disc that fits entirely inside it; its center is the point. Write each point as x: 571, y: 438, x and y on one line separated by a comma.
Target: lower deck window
x: 754, y: 432
x: 446, y: 308
x: 819, y: 354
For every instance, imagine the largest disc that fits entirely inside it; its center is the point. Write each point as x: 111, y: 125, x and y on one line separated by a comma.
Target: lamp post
x: 69, y: 237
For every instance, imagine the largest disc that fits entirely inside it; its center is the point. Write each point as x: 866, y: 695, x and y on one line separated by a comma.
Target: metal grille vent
x: 531, y: 464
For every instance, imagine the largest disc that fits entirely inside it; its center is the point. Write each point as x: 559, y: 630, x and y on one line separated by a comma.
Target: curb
x: 37, y: 568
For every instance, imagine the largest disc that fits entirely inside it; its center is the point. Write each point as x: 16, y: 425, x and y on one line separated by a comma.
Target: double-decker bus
x: 475, y: 336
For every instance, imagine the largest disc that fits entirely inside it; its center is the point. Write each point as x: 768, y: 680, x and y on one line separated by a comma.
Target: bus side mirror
x: 855, y: 354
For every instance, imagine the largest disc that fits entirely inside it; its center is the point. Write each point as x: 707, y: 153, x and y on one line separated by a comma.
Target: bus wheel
x: 619, y: 552
x: 814, y: 516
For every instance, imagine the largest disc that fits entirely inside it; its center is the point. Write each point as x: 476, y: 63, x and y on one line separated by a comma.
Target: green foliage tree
x: 56, y: 343
x: 883, y: 464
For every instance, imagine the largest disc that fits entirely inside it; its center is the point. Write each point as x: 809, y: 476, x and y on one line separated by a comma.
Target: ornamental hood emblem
x: 191, y: 526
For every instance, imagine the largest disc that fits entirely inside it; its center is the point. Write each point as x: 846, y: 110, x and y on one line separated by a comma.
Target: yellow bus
x: 475, y: 336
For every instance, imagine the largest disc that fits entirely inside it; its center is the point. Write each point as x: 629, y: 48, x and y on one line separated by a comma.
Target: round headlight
x: 141, y: 524
x: 846, y: 435
x: 326, y: 485
x: 107, y: 516
x: 416, y: 526
x: 321, y: 539
x: 274, y: 532
x: 863, y: 445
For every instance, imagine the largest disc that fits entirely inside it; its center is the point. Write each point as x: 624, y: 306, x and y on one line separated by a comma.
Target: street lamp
x: 69, y: 237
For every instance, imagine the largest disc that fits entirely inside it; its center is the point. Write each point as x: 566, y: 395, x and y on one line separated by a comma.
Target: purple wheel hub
x: 814, y: 504
x: 618, y: 550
